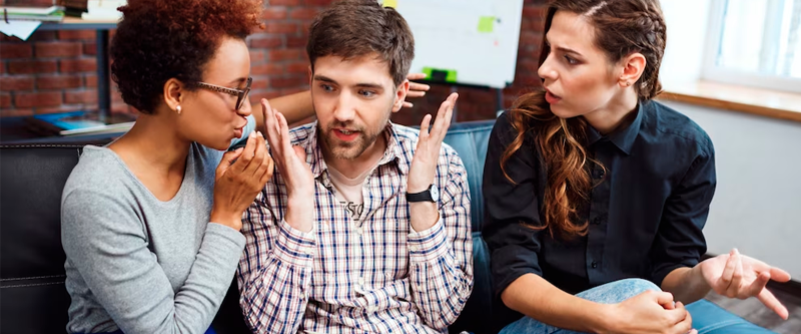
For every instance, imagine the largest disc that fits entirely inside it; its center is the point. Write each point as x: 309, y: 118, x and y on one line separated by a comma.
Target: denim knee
x: 636, y: 285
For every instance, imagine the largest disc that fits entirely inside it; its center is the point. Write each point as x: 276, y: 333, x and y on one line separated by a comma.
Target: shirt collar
x: 622, y: 138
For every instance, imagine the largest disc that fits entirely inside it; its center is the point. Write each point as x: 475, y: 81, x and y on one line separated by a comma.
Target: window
x: 755, y: 43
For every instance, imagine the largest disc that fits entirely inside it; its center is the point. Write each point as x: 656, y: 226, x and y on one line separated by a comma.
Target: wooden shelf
x: 762, y: 102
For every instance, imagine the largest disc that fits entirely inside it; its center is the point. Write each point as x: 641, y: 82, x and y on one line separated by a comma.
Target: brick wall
x: 55, y: 70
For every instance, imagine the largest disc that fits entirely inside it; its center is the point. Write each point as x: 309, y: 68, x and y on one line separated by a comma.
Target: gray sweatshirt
x: 139, y: 264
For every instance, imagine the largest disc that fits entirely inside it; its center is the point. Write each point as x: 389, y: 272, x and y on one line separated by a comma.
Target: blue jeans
x: 708, y: 318
x: 609, y: 293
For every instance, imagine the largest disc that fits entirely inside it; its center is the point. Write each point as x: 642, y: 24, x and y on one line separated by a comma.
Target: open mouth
x: 346, y: 135
x: 551, y: 98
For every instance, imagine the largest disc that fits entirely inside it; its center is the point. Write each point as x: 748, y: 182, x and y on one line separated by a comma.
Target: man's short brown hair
x: 356, y: 28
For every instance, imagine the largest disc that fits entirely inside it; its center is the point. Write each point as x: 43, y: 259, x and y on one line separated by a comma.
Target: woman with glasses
x: 151, y: 222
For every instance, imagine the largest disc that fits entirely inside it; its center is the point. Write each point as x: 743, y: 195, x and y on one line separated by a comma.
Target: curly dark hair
x: 158, y: 40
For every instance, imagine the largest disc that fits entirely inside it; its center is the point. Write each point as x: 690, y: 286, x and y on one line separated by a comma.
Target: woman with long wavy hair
x: 596, y: 195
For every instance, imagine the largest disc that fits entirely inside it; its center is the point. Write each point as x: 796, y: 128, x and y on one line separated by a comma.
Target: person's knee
x: 637, y: 285
x: 618, y: 291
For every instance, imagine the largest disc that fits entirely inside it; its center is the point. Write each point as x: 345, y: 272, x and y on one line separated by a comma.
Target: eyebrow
x: 562, y: 49
x: 322, y: 78
x: 237, y: 81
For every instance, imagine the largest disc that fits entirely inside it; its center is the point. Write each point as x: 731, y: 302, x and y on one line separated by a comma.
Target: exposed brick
x: 16, y: 112
x: 304, y: 13
x: 58, y: 82
x: 10, y: 50
x: 296, y: 42
x: 9, y: 83
x: 38, y: 99
x: 281, y: 27
x: 535, y: 11
x: 83, y: 35
x: 80, y: 96
x: 78, y: 65
x: 31, y: 66
x: 287, y: 54
x: 260, y: 82
x: 318, y: 2
x: 288, y: 82
x: 283, y: 2
x: 257, y: 57
x: 266, y: 69
x: 90, y: 49
x: 266, y: 42
x: 298, y: 67
x: 58, y: 49
x: 5, y: 100
x: 274, y: 13
x: 42, y: 36
x: 90, y: 80
x: 530, y: 38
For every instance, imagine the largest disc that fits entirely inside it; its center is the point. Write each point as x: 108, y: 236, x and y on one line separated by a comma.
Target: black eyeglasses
x: 241, y: 94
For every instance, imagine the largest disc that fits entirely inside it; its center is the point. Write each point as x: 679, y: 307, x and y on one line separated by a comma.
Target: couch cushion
x: 470, y: 140
x: 31, y: 257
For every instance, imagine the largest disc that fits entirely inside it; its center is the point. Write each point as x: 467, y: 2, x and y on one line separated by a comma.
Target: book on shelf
x: 42, y: 14
x: 79, y: 123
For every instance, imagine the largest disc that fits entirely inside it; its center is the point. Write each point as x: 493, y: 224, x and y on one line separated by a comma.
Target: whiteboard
x: 474, y: 41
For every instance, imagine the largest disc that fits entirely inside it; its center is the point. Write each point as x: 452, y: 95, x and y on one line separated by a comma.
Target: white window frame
x: 712, y: 72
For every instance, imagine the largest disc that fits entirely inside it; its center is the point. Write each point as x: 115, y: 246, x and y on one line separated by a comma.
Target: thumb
x: 228, y: 159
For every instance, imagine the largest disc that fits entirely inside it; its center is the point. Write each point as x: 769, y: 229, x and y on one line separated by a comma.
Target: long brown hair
x: 622, y: 27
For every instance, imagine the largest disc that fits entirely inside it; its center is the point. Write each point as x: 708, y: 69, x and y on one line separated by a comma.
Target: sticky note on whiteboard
x: 486, y: 24
x: 391, y: 3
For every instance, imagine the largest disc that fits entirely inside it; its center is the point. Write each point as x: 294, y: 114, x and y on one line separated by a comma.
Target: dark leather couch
x: 34, y: 300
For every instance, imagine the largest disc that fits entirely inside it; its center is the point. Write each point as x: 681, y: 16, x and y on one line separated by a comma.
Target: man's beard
x: 340, y: 149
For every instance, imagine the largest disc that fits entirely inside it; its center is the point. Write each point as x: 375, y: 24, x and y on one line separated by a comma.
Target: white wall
x: 757, y: 205
x: 687, y: 25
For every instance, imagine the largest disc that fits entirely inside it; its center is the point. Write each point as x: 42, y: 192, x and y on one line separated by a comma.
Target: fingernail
x: 259, y: 133
x: 252, y: 135
x: 736, y: 251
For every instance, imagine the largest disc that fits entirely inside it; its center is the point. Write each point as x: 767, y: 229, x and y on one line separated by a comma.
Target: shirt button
x: 594, y: 264
x: 361, y: 280
x: 414, y: 248
x: 359, y: 231
x: 372, y: 309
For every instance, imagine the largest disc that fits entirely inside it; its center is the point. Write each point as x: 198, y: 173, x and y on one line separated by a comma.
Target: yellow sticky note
x: 391, y: 3
x: 486, y: 24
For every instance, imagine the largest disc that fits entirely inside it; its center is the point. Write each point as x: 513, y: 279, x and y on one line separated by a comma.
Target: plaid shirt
x: 378, y: 277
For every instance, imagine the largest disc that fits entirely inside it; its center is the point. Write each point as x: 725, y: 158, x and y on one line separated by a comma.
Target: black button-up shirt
x: 645, y: 215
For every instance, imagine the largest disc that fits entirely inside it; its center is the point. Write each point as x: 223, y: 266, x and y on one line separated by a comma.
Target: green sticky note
x: 391, y: 3
x: 441, y: 75
x: 486, y: 24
